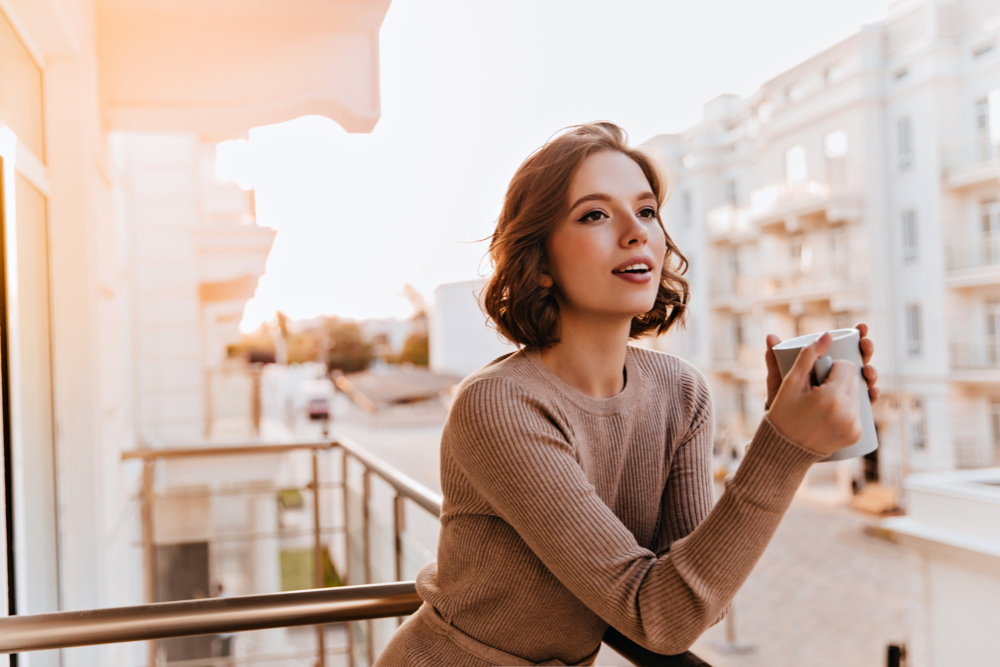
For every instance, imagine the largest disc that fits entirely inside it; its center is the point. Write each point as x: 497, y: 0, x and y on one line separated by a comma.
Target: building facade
x: 71, y: 72
x: 860, y: 185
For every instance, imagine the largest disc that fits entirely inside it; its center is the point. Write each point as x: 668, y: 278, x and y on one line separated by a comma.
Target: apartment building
x: 859, y: 185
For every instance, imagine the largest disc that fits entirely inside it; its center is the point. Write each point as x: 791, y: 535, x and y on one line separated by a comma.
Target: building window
x: 835, y: 73
x: 732, y: 192
x: 904, y: 137
x: 835, y: 151
x: 918, y: 426
x: 796, y: 169
x: 995, y: 429
x: 909, y: 219
x: 989, y: 243
x: 914, y: 330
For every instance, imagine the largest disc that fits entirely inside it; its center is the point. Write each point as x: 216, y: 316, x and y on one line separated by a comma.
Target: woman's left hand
x: 868, y: 371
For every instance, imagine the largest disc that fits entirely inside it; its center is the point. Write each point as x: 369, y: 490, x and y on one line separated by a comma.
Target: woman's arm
x: 512, y: 452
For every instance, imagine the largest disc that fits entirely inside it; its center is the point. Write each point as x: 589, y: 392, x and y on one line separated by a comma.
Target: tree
x: 416, y: 350
x: 349, y: 352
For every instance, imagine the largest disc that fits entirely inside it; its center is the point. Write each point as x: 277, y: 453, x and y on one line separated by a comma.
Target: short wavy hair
x: 537, y: 198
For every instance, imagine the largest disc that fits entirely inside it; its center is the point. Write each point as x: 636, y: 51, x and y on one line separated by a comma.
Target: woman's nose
x: 635, y: 232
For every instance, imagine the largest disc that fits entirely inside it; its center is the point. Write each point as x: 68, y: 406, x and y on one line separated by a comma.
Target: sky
x: 468, y: 90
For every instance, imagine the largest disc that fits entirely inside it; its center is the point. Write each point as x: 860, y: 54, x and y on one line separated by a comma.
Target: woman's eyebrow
x: 594, y: 197
x: 599, y: 196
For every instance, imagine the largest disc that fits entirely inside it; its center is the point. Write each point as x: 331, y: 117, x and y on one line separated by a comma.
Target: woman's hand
x: 869, y: 371
x: 820, y: 419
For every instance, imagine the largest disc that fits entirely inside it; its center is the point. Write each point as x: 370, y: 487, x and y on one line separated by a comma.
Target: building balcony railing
x: 832, y: 279
x: 966, y: 163
x: 781, y: 202
x: 356, y: 530
x: 728, y: 222
x: 979, y: 252
x: 787, y: 200
x: 983, y: 355
x: 729, y: 286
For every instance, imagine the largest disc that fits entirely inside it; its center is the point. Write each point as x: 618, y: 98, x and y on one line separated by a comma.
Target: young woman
x: 576, y: 471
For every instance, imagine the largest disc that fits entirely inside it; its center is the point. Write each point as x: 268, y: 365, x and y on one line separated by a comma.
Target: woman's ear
x: 545, y: 280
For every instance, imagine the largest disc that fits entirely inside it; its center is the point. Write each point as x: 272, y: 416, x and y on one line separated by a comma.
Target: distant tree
x: 349, y: 352
x: 416, y: 350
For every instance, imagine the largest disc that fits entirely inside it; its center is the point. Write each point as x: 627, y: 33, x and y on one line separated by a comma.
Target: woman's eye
x: 647, y: 213
x: 593, y: 216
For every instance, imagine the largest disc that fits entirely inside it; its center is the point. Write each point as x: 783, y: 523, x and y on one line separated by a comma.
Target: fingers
x: 871, y: 377
x: 842, y: 375
x: 867, y: 346
x: 773, y: 372
x: 800, y: 372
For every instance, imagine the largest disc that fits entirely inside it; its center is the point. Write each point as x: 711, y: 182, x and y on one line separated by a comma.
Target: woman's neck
x: 590, y: 355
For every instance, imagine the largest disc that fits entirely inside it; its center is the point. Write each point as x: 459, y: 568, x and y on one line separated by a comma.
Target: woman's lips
x: 636, y: 278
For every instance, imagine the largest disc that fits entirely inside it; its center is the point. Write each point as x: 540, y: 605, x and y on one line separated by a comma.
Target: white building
x: 860, y: 185
x: 461, y: 337
x: 197, y: 254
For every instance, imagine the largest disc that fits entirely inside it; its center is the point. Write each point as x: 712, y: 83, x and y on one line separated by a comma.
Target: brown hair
x: 537, y: 198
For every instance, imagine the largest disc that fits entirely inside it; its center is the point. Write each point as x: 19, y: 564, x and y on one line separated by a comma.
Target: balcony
x: 728, y: 223
x: 973, y: 263
x: 975, y: 362
x: 733, y: 292
x: 786, y: 202
x: 738, y: 361
x: 836, y: 280
x: 966, y: 164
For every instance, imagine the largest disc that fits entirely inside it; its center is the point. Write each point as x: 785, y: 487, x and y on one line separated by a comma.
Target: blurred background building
x: 860, y: 185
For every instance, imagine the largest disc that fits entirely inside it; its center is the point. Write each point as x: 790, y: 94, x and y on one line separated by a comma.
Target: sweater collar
x: 620, y: 402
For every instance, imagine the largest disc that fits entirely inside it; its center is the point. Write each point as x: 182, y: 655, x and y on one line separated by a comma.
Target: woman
x: 576, y: 471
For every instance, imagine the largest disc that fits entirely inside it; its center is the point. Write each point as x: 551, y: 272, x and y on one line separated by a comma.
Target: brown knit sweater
x: 565, y: 513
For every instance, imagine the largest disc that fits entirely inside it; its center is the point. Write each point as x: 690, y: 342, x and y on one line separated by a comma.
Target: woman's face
x: 605, y: 256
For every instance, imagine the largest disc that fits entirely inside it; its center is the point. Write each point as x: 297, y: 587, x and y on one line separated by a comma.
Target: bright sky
x: 469, y: 89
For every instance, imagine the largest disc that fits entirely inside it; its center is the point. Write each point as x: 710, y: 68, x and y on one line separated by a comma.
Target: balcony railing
x: 375, y: 553
x: 974, y: 356
x: 967, y: 155
x: 981, y: 251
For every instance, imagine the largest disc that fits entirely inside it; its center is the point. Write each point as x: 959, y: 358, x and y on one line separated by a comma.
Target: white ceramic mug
x: 846, y: 345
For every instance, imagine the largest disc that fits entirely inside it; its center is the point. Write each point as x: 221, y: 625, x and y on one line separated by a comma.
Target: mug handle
x: 821, y: 370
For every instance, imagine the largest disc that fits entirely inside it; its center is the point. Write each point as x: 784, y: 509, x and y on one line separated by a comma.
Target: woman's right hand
x: 820, y: 419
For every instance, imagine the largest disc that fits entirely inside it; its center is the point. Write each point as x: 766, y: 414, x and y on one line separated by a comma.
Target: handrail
x: 160, y: 620
x: 405, y: 485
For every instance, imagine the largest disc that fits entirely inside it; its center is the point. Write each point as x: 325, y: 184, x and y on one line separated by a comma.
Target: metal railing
x: 984, y: 250
x: 357, y: 605
x: 356, y: 566
x: 199, y: 617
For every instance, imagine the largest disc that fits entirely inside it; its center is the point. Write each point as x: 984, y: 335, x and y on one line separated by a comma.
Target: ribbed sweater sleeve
x: 687, y: 496
x: 512, y: 451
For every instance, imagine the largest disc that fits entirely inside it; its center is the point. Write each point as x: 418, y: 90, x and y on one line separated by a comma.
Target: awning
x: 220, y: 67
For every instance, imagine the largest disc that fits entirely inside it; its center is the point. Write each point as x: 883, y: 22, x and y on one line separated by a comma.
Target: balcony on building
x: 969, y: 163
x: 786, y: 204
x: 974, y: 262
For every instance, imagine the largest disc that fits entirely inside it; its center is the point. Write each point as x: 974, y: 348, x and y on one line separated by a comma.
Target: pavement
x: 824, y: 593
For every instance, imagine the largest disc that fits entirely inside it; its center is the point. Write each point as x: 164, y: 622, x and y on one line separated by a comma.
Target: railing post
x: 366, y: 499
x: 148, y: 549
x: 399, y: 526
x: 347, y: 546
x: 317, y: 557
